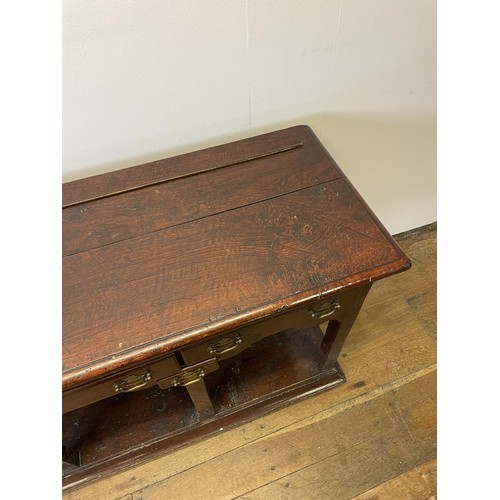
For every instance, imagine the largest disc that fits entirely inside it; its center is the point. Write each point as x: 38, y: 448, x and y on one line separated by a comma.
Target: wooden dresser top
x: 163, y: 254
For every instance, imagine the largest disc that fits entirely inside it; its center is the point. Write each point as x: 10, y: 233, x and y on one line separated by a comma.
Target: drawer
x: 231, y: 343
x: 133, y: 380
x: 221, y: 347
x: 189, y: 374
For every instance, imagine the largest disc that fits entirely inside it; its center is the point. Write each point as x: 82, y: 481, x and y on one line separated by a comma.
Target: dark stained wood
x: 337, y: 332
x: 149, y: 374
x: 170, y: 203
x: 224, y: 247
x: 138, y: 298
x: 200, y: 398
x: 70, y: 458
x: 238, y: 152
x: 386, y: 349
x: 128, y: 428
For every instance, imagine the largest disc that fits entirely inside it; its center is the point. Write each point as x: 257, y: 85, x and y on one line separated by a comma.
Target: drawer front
x: 133, y: 380
x: 231, y: 343
x: 221, y: 347
x: 189, y: 374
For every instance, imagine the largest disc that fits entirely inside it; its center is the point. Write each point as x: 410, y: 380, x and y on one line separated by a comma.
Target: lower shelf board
x: 119, y: 432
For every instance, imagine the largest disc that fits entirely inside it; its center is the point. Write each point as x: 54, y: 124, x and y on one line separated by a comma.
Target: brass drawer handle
x: 189, y: 377
x: 324, y: 310
x: 132, y: 382
x: 225, y: 345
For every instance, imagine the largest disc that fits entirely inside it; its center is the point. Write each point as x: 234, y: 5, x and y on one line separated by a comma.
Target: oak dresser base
x: 194, y: 288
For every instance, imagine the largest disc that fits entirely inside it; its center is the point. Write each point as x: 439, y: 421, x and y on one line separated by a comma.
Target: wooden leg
x: 70, y: 458
x: 337, y: 332
x: 191, y: 377
x: 199, y: 395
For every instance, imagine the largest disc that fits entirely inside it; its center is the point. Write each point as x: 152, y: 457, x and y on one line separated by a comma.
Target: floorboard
x: 419, y: 483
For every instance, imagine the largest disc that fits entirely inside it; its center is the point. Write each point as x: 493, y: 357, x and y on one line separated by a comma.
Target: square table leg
x: 337, y: 332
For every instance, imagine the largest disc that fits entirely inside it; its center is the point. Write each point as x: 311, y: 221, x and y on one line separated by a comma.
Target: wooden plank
x: 419, y: 483
x: 417, y: 237
x: 135, y: 177
x: 387, y: 336
x: 425, y: 307
x: 360, y: 448
x: 423, y: 274
x: 381, y: 349
x: 144, y: 292
x: 420, y: 287
x: 153, y: 208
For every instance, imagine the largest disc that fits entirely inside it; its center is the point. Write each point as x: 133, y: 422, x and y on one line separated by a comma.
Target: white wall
x: 147, y: 79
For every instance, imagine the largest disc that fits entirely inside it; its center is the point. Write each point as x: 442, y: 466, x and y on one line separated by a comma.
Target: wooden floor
x: 371, y: 438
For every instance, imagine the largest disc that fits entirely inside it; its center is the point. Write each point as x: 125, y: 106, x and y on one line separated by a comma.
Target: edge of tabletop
x: 152, y: 351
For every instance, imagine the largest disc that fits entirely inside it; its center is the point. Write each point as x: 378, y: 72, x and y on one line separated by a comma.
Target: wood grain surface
x: 371, y: 438
x: 238, y: 152
x: 162, y: 255
x: 140, y: 211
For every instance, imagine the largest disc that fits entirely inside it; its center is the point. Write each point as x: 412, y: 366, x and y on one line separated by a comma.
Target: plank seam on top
x: 191, y: 174
x: 199, y: 218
